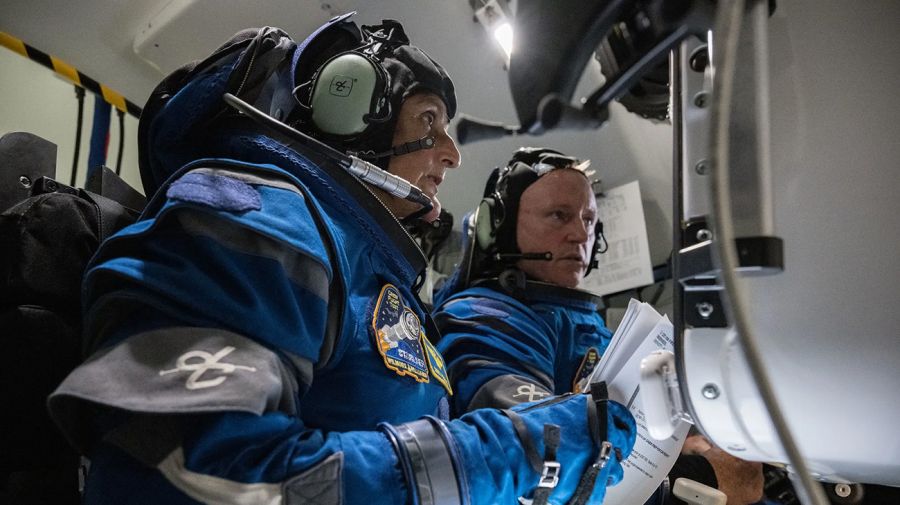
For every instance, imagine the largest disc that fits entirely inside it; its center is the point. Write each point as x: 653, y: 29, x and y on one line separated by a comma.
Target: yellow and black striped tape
x: 69, y: 72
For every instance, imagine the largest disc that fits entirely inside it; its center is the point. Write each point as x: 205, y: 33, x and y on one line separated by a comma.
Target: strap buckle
x: 549, y: 475
x: 603, y: 456
x: 549, y: 480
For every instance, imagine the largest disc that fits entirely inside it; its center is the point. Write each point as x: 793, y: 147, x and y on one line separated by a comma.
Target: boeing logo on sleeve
x: 530, y: 391
x: 200, y: 362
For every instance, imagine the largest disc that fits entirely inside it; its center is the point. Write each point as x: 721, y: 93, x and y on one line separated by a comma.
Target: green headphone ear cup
x: 484, y: 227
x: 342, y: 94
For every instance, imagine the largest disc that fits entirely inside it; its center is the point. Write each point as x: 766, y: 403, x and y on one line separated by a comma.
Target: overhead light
x: 504, y: 36
x: 494, y: 17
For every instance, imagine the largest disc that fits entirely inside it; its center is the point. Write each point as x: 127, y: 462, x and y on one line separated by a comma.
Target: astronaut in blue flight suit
x: 514, y: 326
x: 256, y: 336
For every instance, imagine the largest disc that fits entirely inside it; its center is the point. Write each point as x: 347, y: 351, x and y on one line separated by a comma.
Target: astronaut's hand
x: 741, y: 481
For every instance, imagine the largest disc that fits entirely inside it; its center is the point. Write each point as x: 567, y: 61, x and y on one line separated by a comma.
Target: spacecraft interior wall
x: 829, y: 324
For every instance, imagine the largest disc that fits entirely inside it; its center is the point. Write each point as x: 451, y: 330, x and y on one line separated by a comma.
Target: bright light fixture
x: 492, y: 14
x: 504, y: 35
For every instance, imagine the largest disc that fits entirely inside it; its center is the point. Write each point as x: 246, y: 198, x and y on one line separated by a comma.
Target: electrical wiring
x: 79, y: 95
x: 121, y: 141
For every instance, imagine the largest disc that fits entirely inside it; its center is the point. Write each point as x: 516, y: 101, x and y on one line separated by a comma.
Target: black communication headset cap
x: 408, y: 69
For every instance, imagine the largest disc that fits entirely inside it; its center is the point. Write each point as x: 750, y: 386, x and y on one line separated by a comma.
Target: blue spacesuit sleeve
x: 557, y: 450
x: 499, y: 353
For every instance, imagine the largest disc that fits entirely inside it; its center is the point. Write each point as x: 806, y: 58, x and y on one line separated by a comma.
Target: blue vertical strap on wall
x: 99, y: 137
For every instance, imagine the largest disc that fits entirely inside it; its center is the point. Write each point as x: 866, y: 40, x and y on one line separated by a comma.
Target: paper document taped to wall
x: 626, y: 264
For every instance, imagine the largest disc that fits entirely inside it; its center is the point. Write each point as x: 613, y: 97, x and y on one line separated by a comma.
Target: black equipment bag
x: 46, y: 241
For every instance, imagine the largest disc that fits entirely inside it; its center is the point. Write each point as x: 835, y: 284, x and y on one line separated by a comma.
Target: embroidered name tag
x: 588, y: 363
x: 399, y: 336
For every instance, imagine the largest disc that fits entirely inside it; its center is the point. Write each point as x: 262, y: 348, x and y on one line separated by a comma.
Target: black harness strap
x: 534, y: 459
x: 599, y: 395
x: 550, y: 469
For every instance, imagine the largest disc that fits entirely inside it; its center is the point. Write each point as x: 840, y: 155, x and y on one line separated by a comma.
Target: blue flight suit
x: 502, y: 350
x: 233, y: 259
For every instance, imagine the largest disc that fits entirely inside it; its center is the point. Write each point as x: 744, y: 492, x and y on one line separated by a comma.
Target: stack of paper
x: 642, y: 331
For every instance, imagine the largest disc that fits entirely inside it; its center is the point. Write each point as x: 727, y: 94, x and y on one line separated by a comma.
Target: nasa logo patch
x: 398, y: 335
x: 588, y: 363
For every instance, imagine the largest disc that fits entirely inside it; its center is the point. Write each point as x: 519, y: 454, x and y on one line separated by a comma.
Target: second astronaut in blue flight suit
x: 514, y: 327
x: 256, y: 337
